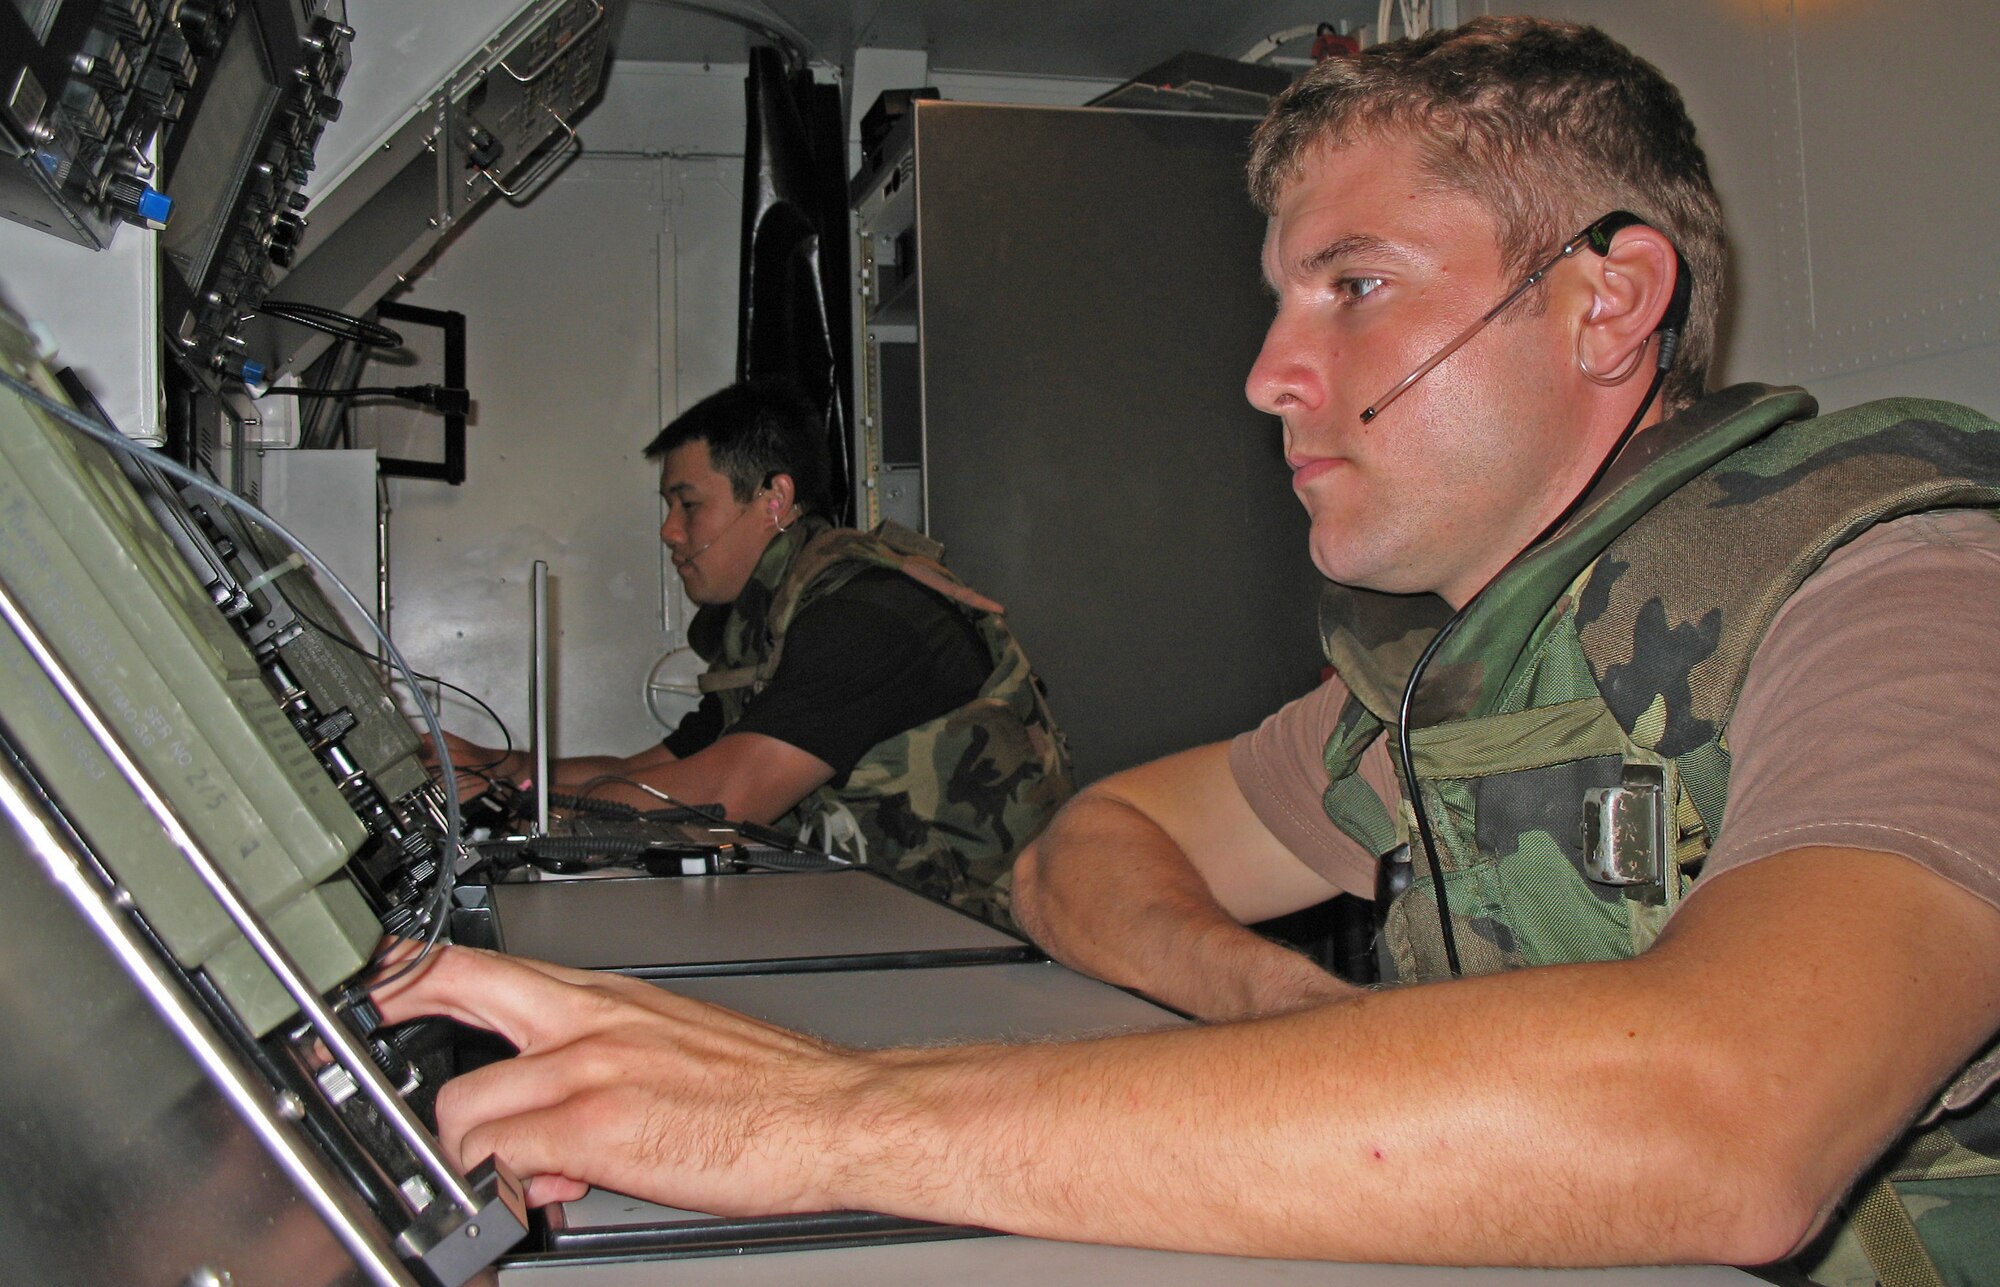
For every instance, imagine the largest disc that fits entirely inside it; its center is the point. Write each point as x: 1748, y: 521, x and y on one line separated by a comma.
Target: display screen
x: 218, y: 147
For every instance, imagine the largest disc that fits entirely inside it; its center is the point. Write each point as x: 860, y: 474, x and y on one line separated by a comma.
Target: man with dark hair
x: 857, y: 690
x: 1681, y: 833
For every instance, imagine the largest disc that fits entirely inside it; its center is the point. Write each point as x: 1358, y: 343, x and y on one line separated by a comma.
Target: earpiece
x: 1674, y: 320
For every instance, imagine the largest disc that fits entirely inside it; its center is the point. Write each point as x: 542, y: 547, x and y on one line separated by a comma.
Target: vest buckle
x: 1625, y: 828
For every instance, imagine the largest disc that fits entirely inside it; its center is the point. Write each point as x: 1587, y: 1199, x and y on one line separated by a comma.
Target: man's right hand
x: 625, y: 1085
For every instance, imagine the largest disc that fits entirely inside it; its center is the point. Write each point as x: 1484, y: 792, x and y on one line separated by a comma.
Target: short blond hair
x: 1546, y: 124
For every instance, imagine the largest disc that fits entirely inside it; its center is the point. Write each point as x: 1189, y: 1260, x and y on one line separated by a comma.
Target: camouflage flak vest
x: 1578, y: 717
x: 946, y: 806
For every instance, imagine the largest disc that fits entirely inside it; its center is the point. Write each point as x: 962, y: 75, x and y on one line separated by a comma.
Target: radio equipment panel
x: 239, y: 850
x: 197, y: 119
x: 237, y: 170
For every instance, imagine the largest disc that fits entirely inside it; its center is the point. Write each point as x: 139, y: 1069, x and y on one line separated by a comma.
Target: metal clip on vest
x: 1625, y: 830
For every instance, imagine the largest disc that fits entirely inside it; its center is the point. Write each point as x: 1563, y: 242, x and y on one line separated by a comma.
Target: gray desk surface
x: 980, y: 1262
x: 1020, y: 1001
x: 663, y: 925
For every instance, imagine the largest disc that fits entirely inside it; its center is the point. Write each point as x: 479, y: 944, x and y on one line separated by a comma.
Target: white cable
x: 769, y: 24
x: 1416, y: 17
x: 1270, y: 44
x: 838, y: 828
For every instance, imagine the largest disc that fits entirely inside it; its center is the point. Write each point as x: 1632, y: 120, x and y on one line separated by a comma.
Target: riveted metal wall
x: 1853, y: 143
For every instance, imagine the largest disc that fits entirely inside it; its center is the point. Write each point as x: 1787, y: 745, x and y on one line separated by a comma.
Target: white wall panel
x: 564, y: 349
x: 683, y: 108
x: 700, y: 271
x: 1853, y: 145
x: 595, y: 313
x: 101, y: 309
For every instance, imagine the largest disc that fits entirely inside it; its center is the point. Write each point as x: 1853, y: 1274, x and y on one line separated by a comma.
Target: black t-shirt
x: 874, y: 658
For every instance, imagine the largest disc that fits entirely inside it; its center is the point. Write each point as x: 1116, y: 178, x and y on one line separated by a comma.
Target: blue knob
x: 155, y: 208
x: 140, y: 203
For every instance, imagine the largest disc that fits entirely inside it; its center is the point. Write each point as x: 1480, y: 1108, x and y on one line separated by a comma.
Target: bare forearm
x: 748, y: 775
x: 605, y: 777
x: 603, y: 773
x: 570, y: 774
x: 1109, y: 893
x: 1393, y: 1128
x: 1708, y: 1100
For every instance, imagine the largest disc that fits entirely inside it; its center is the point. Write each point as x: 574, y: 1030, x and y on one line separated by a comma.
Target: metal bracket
x: 556, y: 56
x: 570, y: 147
x: 561, y: 50
x: 24, y: 108
x: 454, y: 1245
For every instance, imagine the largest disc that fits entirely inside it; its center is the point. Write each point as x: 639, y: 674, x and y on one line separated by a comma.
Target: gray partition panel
x: 1091, y: 305
x: 692, y: 925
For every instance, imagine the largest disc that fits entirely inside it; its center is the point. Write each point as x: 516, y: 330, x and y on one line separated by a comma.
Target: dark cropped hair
x: 1546, y: 124
x: 754, y: 430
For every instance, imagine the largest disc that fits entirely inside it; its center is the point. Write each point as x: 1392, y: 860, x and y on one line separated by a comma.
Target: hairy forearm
x: 574, y: 773
x: 642, y: 782
x: 1707, y: 1100
x: 1108, y: 892
x: 1391, y: 1128
x: 746, y: 775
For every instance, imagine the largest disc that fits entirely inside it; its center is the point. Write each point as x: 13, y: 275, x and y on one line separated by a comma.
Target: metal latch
x: 1625, y: 828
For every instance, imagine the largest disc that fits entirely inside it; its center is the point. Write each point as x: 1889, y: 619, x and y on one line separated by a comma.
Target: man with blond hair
x: 1682, y: 835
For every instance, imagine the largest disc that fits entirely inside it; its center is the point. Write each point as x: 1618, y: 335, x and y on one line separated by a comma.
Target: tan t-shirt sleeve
x: 1280, y: 767
x: 1870, y: 716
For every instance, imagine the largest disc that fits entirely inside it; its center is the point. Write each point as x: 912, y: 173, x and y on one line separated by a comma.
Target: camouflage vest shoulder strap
x: 1601, y: 672
x: 944, y: 807
x: 835, y: 556
x: 735, y: 640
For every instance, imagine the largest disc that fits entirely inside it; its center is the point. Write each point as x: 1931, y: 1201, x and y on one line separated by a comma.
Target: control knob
x: 138, y: 202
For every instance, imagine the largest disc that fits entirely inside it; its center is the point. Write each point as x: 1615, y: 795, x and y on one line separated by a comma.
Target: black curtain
x: 793, y: 316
